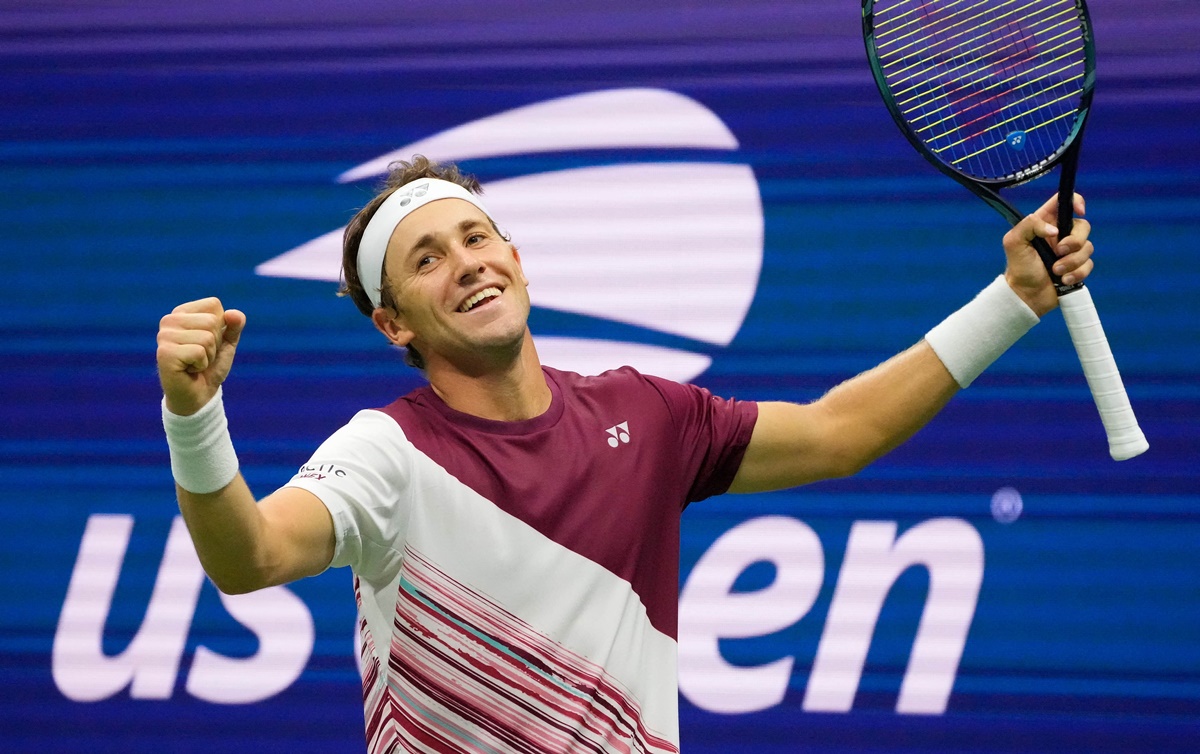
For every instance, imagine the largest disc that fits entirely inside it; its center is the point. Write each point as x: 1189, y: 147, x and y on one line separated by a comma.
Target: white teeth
x: 485, y: 293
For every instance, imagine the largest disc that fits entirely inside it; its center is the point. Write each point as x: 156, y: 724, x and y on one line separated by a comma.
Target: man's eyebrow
x: 429, y: 239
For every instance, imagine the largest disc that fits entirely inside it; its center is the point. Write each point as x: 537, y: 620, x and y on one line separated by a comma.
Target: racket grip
x: 1125, y: 438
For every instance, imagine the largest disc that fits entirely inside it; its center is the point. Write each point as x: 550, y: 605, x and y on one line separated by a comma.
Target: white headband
x: 411, y: 196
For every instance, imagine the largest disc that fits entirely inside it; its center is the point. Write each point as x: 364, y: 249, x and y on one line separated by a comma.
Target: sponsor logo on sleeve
x: 320, y: 472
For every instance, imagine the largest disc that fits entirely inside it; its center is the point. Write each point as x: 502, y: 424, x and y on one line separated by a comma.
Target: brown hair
x: 399, y: 174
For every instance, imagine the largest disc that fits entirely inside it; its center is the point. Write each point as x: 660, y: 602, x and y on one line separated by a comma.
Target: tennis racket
x: 995, y: 93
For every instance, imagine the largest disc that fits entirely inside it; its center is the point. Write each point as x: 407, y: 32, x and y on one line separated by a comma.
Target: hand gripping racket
x: 995, y: 93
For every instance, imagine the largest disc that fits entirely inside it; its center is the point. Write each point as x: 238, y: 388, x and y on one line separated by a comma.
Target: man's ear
x: 517, y: 256
x: 392, y: 326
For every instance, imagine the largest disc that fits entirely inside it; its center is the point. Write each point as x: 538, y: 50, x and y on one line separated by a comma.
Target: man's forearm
x: 849, y: 427
x: 227, y: 529
x: 882, y: 407
x: 869, y: 415
x: 220, y: 511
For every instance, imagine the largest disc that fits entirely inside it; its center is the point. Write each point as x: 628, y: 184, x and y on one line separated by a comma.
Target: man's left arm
x: 865, y: 417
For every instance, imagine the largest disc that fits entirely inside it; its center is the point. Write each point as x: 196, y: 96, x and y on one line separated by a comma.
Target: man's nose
x: 467, y: 263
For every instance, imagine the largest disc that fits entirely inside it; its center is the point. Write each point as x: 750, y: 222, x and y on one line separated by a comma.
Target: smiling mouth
x: 487, y: 294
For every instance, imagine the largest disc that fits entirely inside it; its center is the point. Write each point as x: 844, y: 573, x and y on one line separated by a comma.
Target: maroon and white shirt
x: 517, y: 582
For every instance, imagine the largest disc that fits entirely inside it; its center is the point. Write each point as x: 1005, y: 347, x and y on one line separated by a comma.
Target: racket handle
x: 1125, y: 438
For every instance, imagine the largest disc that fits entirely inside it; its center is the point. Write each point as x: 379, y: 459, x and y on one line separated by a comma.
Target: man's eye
x: 474, y: 238
x: 425, y: 260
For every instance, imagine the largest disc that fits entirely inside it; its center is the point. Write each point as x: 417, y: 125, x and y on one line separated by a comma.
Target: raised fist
x: 196, y: 343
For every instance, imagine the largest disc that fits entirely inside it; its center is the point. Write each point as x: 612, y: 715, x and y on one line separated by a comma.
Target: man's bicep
x: 300, y: 533
x: 792, y: 444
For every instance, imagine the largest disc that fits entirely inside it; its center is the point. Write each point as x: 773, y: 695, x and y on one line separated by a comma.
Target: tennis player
x: 513, y: 529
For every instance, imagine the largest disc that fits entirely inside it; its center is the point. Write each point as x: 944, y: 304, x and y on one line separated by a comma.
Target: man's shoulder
x: 415, y: 402
x: 624, y: 385
x: 613, y: 379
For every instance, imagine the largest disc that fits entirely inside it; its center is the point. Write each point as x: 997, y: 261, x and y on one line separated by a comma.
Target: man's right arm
x: 243, y: 545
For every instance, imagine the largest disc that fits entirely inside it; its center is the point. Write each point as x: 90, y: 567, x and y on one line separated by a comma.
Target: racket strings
x: 970, y: 53
x: 967, y: 24
x: 912, y: 12
x: 1031, y: 130
x: 967, y: 90
x: 948, y: 108
x: 971, y: 50
x: 1010, y: 101
x: 991, y: 88
x: 998, y: 35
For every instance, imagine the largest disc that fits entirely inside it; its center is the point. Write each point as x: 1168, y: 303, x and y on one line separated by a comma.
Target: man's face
x: 458, y: 285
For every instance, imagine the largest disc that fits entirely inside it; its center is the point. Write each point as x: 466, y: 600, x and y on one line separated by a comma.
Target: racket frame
x: 1066, y: 156
x: 1124, y: 435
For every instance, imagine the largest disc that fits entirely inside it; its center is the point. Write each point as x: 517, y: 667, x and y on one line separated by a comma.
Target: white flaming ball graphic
x: 671, y: 246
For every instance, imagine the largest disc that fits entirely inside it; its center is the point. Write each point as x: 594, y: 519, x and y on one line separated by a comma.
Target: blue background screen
x: 155, y: 153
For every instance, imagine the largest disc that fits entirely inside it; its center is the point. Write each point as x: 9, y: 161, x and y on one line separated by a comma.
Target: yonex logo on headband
x: 416, y: 192
x: 372, y: 249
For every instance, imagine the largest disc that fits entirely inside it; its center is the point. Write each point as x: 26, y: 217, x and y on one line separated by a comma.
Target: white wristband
x: 970, y: 339
x: 202, y: 456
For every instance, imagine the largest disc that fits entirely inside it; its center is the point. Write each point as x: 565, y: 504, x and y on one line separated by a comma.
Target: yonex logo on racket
x: 1016, y: 140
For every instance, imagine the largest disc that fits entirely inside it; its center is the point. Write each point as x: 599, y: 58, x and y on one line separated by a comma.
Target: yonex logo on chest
x: 618, y: 434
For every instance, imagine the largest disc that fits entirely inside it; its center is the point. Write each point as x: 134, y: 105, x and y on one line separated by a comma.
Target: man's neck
x: 511, y: 391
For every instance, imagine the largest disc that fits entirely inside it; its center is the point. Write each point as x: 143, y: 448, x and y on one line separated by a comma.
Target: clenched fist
x: 196, y: 343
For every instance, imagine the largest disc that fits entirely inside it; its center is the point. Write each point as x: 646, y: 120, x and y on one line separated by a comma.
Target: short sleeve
x: 713, y: 434
x: 361, y: 474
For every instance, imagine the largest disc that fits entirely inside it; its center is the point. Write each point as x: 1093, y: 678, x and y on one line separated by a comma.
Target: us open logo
x: 672, y: 248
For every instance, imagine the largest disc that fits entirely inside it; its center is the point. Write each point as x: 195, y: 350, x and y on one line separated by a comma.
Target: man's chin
x: 491, y: 350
